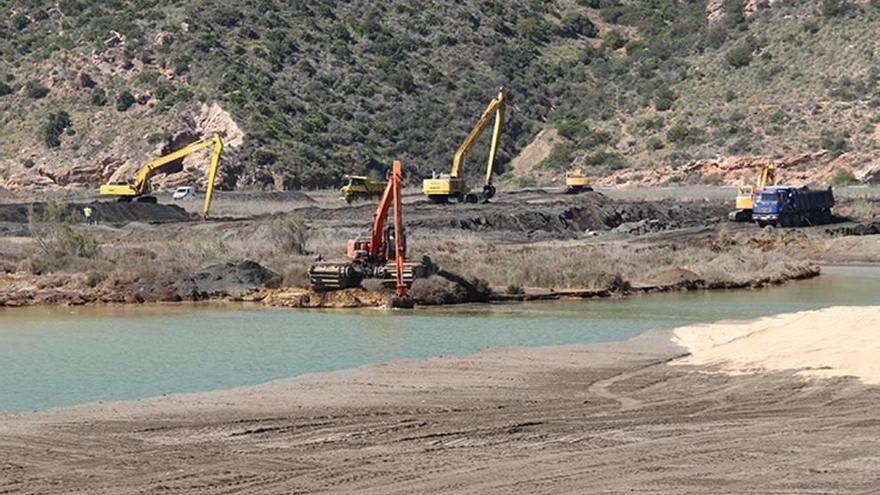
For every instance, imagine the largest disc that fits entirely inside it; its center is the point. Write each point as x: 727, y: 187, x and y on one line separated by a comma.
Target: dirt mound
x: 109, y: 212
x: 285, y: 196
x: 213, y: 282
x: 122, y: 213
x: 538, y: 150
x: 854, y: 229
x: 568, y: 218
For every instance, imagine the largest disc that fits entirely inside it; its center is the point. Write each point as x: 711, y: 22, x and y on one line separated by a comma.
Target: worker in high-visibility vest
x: 87, y: 212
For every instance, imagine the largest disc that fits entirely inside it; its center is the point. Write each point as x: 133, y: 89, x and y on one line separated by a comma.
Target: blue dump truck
x: 788, y: 206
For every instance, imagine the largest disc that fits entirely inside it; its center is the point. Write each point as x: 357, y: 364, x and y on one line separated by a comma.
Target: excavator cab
x: 358, y: 249
x: 390, y: 243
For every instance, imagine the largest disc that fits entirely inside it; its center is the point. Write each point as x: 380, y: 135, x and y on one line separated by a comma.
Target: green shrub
x: 605, y: 159
x: 655, y: 143
x: 33, y: 89
x: 99, y: 97
x: 835, y: 142
x: 832, y: 8
x: 664, y: 99
x: 58, y: 243
x: 614, y: 40
x: 5, y: 89
x: 843, y: 177
x: 678, y: 133
x: 124, y: 101
x: 594, y: 138
x: 534, y: 28
x: 20, y: 21
x: 157, y: 137
x: 55, y: 125
x: 571, y: 128
x: 289, y: 233
x: 560, y: 158
x: 86, y: 81
x: 576, y: 24
x: 739, y: 56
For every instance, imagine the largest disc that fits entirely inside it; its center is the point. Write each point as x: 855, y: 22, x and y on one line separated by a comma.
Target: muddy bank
x: 538, y: 215
x: 250, y: 281
x: 673, y: 280
x: 111, y: 212
x: 244, y: 281
x: 635, y: 416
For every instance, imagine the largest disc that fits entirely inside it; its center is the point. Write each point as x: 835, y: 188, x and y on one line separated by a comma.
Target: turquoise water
x: 52, y: 357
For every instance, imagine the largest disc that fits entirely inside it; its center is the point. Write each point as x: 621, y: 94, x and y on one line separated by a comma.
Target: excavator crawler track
x: 330, y: 275
x: 334, y: 275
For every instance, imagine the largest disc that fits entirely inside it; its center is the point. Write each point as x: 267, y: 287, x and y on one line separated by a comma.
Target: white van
x: 185, y: 192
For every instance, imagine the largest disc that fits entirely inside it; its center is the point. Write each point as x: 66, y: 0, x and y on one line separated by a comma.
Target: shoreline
x: 303, y: 298
x: 653, y: 413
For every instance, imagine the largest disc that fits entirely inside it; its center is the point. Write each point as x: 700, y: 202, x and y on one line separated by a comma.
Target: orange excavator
x: 381, y: 256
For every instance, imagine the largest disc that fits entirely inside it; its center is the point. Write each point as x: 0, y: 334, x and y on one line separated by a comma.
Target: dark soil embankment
x: 555, y: 217
x: 116, y: 213
x: 536, y: 215
x: 854, y: 229
x: 239, y: 281
x: 676, y: 279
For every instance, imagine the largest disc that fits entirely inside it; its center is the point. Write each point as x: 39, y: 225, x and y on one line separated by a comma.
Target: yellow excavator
x: 745, y: 197
x: 440, y: 189
x: 576, y: 182
x: 139, y: 190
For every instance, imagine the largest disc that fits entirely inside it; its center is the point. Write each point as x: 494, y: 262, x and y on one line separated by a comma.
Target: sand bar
x: 644, y: 415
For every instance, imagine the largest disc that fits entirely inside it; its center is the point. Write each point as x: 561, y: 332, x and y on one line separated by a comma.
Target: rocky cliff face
x: 119, y: 163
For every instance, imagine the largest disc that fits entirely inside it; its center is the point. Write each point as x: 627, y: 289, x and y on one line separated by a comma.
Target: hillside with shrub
x: 323, y: 88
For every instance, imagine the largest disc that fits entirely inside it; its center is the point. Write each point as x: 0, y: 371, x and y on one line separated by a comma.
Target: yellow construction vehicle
x: 139, y: 190
x: 745, y: 197
x: 576, y: 182
x: 362, y: 187
x: 441, y: 189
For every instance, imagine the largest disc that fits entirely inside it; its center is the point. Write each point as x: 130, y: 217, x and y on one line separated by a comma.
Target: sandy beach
x: 784, y: 404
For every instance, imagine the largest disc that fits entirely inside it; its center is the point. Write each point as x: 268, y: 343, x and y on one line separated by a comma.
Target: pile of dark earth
x: 111, y: 212
x: 212, y: 282
x: 540, y: 215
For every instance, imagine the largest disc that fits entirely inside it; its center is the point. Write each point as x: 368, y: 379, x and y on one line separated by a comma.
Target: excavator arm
x: 142, y: 179
x: 391, y: 195
x: 494, y: 109
x: 141, y: 183
x: 212, y: 174
x: 768, y: 176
